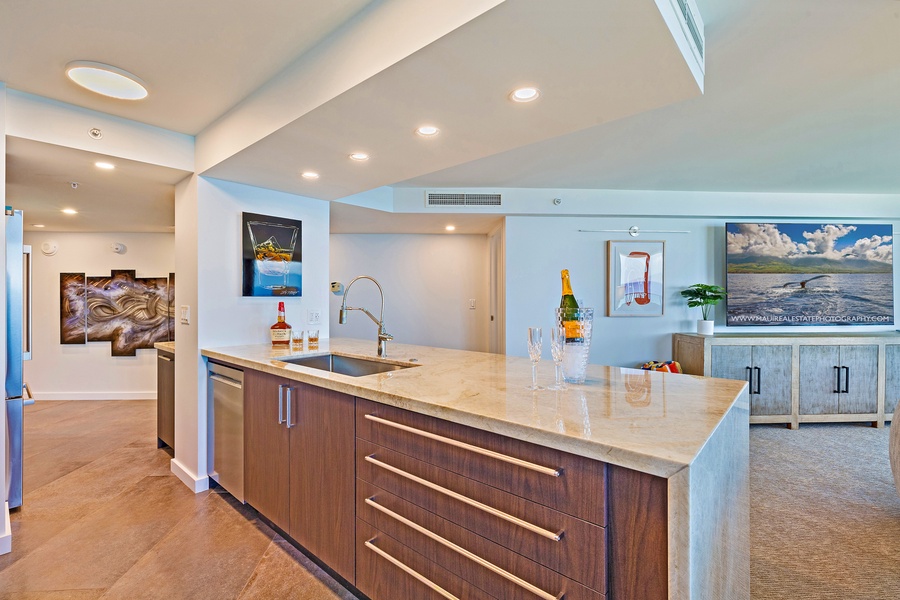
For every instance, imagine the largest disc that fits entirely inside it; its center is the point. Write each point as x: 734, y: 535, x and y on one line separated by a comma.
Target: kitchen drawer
x: 510, y: 521
x: 489, y: 566
x: 578, y: 488
x: 380, y: 578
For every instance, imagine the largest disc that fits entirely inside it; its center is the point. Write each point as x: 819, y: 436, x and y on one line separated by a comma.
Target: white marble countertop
x: 648, y: 421
x: 165, y: 346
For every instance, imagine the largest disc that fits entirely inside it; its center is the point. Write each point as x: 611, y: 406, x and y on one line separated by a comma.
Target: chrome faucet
x: 383, y: 336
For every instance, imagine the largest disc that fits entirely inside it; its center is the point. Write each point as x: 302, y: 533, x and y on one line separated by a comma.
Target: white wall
x: 208, y: 262
x: 537, y: 248
x: 56, y: 371
x: 428, y: 281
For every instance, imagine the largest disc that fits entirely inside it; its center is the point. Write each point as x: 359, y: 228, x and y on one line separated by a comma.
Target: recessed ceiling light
x: 525, y: 94
x: 310, y: 175
x: 450, y: 227
x: 70, y: 211
x: 427, y: 130
x: 104, y: 165
x: 359, y: 156
x: 107, y: 80
x: 38, y: 225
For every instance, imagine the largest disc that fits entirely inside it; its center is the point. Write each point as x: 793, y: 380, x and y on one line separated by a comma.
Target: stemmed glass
x: 557, y: 348
x: 534, y: 353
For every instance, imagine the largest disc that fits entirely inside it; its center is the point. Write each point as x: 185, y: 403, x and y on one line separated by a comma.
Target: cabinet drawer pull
x: 165, y: 358
x: 462, y: 551
x: 408, y: 570
x: 290, y: 400
x: 465, y: 499
x: 281, y: 404
x: 505, y: 458
x: 226, y: 381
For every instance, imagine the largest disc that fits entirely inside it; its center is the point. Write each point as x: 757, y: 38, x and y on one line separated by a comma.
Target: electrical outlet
x: 185, y: 314
x: 315, y: 317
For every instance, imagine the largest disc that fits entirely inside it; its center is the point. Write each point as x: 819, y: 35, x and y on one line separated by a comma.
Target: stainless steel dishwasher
x: 225, y: 397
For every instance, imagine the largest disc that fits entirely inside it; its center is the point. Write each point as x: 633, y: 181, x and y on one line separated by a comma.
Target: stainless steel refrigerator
x: 18, y: 347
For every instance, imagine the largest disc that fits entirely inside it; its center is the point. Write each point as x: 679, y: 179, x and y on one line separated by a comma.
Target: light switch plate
x: 471, y: 303
x: 185, y: 314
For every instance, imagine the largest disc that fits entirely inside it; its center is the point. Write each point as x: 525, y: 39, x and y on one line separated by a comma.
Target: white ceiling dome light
x: 107, y: 80
x: 525, y: 94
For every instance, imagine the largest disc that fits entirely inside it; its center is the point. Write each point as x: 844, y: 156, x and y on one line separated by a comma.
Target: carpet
x: 824, y: 514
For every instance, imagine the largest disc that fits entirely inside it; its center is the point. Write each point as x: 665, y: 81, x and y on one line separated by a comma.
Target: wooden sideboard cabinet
x: 299, y: 464
x: 165, y: 399
x: 802, y: 378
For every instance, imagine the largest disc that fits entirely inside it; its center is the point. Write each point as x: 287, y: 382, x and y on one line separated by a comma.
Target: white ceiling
x: 799, y: 96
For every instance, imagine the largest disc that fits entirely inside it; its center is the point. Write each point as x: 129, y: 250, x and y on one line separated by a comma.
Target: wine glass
x: 557, y: 348
x: 534, y: 353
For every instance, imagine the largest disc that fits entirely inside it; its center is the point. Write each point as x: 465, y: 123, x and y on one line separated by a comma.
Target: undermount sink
x: 345, y: 365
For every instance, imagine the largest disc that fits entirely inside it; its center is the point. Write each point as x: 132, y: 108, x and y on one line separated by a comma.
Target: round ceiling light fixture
x: 38, y: 225
x: 106, y: 80
x: 70, y: 211
x: 104, y: 165
x: 450, y: 227
x: 428, y: 131
x: 309, y: 175
x: 359, y: 156
x: 525, y: 94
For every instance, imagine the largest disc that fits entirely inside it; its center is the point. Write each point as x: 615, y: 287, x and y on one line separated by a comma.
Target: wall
x: 428, y: 281
x: 56, y: 372
x: 208, y: 262
x: 537, y: 248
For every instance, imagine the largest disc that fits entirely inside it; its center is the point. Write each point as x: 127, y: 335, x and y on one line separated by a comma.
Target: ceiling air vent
x: 459, y: 199
x: 696, y: 34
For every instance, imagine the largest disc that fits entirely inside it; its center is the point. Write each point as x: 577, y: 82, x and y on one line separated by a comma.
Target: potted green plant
x: 705, y: 296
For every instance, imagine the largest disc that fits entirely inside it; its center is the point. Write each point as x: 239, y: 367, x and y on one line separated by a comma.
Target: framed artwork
x: 635, y: 286
x: 809, y: 274
x: 132, y: 313
x: 272, y: 256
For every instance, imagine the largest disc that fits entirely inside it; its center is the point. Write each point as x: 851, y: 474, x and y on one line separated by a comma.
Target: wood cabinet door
x: 266, y: 448
x: 892, y: 377
x: 819, y: 392
x: 772, y: 379
x: 323, y: 475
x: 860, y: 379
x: 165, y: 398
x: 731, y: 362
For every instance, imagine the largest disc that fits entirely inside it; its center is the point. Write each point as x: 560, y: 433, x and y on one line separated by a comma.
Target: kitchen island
x: 682, y: 443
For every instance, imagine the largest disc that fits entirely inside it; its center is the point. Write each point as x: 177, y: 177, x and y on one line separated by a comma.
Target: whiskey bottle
x: 280, y: 331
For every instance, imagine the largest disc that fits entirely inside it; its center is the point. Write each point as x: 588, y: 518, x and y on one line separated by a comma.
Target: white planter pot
x: 705, y: 327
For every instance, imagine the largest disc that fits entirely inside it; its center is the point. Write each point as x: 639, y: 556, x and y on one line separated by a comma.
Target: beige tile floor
x: 103, y: 517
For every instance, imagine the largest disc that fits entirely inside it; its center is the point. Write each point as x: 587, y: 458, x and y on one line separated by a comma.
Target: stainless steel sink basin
x: 345, y: 365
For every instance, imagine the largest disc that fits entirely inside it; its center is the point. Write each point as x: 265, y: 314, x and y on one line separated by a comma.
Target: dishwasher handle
x: 227, y: 381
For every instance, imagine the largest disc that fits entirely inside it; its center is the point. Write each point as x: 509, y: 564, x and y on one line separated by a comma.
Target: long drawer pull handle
x: 474, y: 503
x: 505, y: 458
x: 165, y: 358
x: 226, y: 381
x: 409, y: 570
x: 460, y: 550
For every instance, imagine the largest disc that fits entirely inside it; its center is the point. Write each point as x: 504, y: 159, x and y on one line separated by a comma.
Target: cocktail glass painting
x: 272, y: 261
x: 782, y: 274
x: 635, y: 287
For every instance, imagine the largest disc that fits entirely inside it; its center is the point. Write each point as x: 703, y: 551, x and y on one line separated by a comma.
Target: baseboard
x: 151, y: 395
x: 5, y: 531
x: 198, y: 484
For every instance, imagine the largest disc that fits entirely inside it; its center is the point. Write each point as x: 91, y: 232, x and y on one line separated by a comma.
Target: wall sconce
x: 118, y: 248
x: 49, y: 248
x: 337, y: 288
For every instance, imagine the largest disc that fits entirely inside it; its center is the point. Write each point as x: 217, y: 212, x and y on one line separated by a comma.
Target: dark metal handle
x: 758, y: 379
x: 837, y: 380
x: 749, y: 372
x: 846, y: 389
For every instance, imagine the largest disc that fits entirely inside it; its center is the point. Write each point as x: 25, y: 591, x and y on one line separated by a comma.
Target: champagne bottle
x: 281, y: 331
x: 569, y: 305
